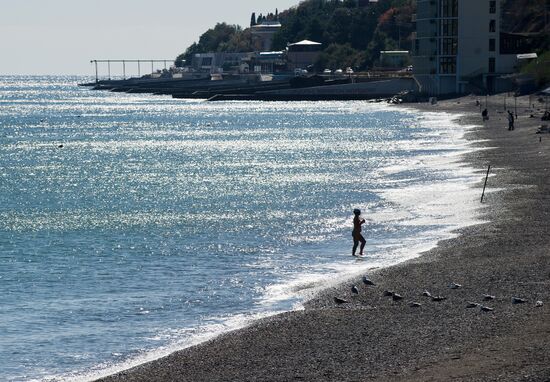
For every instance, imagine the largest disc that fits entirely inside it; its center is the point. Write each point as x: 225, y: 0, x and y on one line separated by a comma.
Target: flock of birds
x: 414, y: 304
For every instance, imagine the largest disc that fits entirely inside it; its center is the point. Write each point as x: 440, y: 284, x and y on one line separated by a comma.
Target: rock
x: 517, y: 300
x: 538, y: 304
x: 427, y: 294
x: 438, y: 298
x: 472, y: 305
x: 367, y: 281
x: 354, y: 290
x: 414, y: 304
x: 488, y: 297
x: 388, y: 293
x: 454, y: 286
x: 339, y: 300
x: 485, y: 308
x: 396, y: 297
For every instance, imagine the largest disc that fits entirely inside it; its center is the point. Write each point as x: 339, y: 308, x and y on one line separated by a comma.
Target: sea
x: 133, y: 225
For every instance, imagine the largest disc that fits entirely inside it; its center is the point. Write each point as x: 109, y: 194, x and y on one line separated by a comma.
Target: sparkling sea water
x: 135, y: 225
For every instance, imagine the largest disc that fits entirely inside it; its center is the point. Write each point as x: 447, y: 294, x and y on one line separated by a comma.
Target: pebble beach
x: 492, y: 322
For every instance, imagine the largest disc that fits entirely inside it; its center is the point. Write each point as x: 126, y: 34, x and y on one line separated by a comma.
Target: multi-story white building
x: 457, y: 47
x: 262, y: 34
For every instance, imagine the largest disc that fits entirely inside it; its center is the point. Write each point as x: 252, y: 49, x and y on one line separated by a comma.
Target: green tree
x: 338, y: 56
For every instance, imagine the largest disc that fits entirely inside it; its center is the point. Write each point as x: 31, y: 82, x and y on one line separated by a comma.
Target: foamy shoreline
x: 375, y: 338
x: 458, y: 146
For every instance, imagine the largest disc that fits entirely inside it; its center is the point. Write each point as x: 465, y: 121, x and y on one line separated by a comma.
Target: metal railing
x: 124, y: 62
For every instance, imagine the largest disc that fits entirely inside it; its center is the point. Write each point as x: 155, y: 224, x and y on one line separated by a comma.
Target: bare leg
x: 355, y: 245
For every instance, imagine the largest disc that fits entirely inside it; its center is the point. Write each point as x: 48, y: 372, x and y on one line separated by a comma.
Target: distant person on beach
x: 357, y: 237
x: 510, y: 120
x: 485, y: 115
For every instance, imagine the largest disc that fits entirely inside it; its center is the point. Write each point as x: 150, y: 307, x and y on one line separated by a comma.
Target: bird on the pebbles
x: 472, y: 305
x: 367, y: 281
x: 438, y: 298
x: 517, y: 300
x: 488, y: 297
x: 354, y: 290
x: 485, y: 308
x: 339, y: 300
x: 427, y: 294
x: 396, y: 297
x: 414, y: 304
x: 454, y: 286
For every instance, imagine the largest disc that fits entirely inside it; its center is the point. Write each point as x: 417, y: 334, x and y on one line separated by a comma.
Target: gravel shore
x: 374, y: 338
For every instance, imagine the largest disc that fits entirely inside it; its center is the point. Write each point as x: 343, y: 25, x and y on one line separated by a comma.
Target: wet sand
x: 373, y: 338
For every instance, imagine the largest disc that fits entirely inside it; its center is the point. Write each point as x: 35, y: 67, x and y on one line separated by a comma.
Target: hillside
x: 354, y: 32
x: 525, y: 16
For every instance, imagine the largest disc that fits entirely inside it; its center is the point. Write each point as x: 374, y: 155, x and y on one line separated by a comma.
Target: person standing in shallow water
x: 510, y: 120
x: 357, y: 237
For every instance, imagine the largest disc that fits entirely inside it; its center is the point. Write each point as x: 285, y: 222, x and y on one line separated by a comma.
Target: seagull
x: 427, y: 294
x: 414, y: 304
x: 517, y: 300
x: 454, y: 286
x: 472, y: 305
x: 538, y: 304
x: 488, y: 297
x: 354, y: 290
x: 339, y: 300
x: 367, y: 281
x: 388, y: 293
x: 396, y: 297
x: 438, y: 298
x: 485, y: 308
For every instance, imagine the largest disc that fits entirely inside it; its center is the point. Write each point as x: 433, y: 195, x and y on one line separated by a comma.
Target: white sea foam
x: 323, y: 145
x: 447, y: 205
x: 179, y: 339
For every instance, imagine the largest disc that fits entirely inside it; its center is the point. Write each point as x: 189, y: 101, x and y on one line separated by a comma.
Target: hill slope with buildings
x: 353, y: 32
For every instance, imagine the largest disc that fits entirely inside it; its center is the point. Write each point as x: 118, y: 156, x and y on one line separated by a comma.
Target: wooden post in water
x: 485, y: 185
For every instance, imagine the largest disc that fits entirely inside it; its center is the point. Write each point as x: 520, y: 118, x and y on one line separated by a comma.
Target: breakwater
x: 252, y: 87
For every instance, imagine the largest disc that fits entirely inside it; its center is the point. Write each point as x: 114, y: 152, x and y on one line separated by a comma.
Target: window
x: 492, y: 65
x: 492, y: 45
x: 449, y: 46
x: 492, y: 26
x: 447, y: 65
x: 449, y: 8
x: 492, y: 6
x: 449, y: 27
